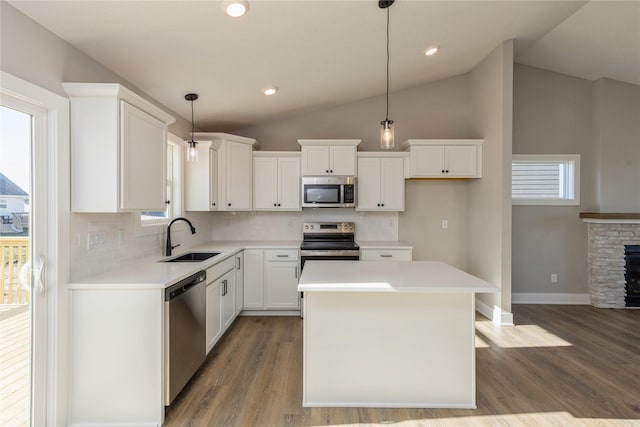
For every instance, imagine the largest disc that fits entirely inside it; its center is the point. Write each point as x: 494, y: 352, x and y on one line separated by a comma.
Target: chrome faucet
x: 169, y: 248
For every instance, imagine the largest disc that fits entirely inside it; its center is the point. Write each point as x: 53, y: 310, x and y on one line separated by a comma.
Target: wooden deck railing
x: 14, y: 254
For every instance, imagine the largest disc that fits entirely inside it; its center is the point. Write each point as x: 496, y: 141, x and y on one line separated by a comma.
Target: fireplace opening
x: 632, y: 275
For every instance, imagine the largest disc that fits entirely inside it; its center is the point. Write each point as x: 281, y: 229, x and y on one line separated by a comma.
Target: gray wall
x: 616, y: 122
x: 439, y: 110
x: 489, y: 205
x: 552, y: 115
x: 559, y: 114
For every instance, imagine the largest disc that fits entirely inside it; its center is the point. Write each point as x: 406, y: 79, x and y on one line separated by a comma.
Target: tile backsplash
x: 104, y: 242
x: 288, y: 225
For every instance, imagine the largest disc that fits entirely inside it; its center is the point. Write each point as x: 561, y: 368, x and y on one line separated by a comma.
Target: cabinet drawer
x: 281, y: 255
x: 220, y: 268
x: 386, y: 254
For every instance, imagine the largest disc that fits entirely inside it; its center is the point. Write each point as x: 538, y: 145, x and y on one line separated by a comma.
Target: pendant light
x: 192, y: 148
x: 386, y: 133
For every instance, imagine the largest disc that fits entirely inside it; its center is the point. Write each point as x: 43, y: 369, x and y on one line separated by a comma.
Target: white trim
x: 496, y: 314
x: 549, y: 298
x: 58, y: 216
x: 250, y: 313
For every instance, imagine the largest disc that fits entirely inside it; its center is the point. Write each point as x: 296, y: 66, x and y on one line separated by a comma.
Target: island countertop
x: 381, y: 276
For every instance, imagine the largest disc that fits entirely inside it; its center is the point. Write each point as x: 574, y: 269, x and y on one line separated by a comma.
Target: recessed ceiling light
x: 235, y: 8
x: 431, y: 50
x: 270, y: 90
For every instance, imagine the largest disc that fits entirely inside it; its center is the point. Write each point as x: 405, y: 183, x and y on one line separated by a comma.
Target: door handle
x: 42, y: 287
x: 296, y: 272
x: 238, y: 264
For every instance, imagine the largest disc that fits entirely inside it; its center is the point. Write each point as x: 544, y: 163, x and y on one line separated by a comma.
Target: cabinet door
x: 392, y: 183
x: 289, y: 183
x: 143, y: 151
x: 214, y: 313
x: 281, y: 285
x: 342, y: 160
x: 265, y: 183
x: 427, y: 161
x: 201, y: 181
x: 228, y: 298
x: 460, y: 160
x: 369, y: 183
x: 253, y: 279
x: 239, y: 282
x: 238, y: 176
x: 315, y: 160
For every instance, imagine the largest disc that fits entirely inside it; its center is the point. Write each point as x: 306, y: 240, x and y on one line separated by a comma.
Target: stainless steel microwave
x: 329, y: 191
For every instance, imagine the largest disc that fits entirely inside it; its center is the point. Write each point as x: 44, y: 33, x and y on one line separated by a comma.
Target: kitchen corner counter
x: 152, y: 273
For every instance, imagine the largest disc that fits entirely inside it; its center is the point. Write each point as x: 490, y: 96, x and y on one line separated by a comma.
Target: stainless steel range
x: 324, y: 241
x: 327, y: 241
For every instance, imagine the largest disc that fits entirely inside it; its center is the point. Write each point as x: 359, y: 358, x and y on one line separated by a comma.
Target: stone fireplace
x: 611, y: 236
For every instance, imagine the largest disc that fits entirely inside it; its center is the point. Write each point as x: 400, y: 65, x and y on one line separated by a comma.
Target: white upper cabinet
x: 276, y: 181
x: 437, y: 158
x: 381, y: 182
x: 118, y: 149
x: 222, y: 178
x: 329, y: 156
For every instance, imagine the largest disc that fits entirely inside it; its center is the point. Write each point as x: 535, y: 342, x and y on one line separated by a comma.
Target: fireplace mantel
x: 612, y: 218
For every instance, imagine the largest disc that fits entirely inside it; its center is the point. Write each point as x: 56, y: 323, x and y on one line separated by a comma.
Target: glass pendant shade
x: 192, y: 147
x: 386, y: 134
x: 192, y: 151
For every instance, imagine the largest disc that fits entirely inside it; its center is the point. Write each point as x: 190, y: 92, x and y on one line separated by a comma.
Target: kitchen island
x: 389, y: 334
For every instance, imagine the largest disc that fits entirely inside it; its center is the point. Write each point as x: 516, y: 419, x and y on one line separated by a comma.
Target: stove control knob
x: 306, y: 227
x: 311, y: 226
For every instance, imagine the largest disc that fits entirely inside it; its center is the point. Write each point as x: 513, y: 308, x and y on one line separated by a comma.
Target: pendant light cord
x: 192, y: 122
x: 387, y: 115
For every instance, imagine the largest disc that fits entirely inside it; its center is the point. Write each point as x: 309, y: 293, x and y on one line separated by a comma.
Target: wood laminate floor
x: 559, y: 366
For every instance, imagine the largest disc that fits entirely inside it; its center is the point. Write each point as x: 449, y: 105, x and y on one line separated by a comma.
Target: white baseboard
x: 496, y: 314
x: 550, y: 298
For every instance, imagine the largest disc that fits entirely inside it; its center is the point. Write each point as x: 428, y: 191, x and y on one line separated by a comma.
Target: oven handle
x: 330, y: 253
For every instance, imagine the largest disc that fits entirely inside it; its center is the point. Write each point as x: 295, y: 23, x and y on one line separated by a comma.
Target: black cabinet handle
x: 382, y: 204
x: 442, y: 171
x: 213, y: 204
x: 168, y: 202
x: 275, y: 204
x: 327, y: 171
x: 447, y: 171
x: 331, y: 171
x: 378, y: 204
x: 228, y: 204
x: 278, y: 204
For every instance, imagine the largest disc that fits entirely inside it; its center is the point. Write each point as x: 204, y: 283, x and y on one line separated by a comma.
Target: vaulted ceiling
x: 321, y: 53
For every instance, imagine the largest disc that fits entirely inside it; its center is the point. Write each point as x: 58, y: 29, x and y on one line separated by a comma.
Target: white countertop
x: 383, y: 244
x: 148, y: 273
x: 385, y: 276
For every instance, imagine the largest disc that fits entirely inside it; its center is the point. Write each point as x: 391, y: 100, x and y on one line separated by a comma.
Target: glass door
x: 23, y: 225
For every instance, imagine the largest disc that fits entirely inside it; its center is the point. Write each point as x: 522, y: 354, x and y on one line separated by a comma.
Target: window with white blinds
x: 545, y: 179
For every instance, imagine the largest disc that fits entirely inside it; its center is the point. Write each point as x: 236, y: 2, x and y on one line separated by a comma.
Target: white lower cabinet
x: 390, y: 254
x: 221, y: 296
x: 271, y: 279
x: 214, y: 313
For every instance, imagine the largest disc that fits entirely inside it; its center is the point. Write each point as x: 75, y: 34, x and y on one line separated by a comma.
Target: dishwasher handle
x: 184, y: 285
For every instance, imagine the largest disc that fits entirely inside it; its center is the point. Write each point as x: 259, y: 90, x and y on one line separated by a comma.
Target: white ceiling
x: 323, y: 52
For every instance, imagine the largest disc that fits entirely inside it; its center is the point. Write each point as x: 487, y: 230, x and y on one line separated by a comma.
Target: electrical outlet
x: 96, y: 239
x: 554, y: 278
x: 445, y: 224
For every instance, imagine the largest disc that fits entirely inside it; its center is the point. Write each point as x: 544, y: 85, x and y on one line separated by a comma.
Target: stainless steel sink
x: 193, y: 257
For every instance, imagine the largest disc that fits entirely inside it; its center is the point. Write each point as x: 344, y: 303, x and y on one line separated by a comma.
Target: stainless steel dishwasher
x: 185, y: 332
